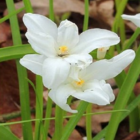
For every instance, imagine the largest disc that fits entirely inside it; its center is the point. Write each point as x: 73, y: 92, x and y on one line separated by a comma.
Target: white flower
x: 59, y: 48
x: 101, y: 52
x: 91, y: 86
x: 84, y: 138
x: 133, y: 18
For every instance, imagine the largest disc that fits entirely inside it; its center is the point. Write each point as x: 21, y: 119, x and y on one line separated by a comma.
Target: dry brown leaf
x: 9, y: 89
x: 131, y: 25
x: 16, y: 128
x: 74, y: 135
x: 5, y: 33
x: 103, y: 11
x: 97, y: 119
x: 132, y: 136
x: 137, y: 89
x: 60, y: 6
x: 130, y: 11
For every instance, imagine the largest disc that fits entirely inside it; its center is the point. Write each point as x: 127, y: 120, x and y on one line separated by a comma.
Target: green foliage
x: 6, y: 134
x: 124, y: 81
x: 15, y: 52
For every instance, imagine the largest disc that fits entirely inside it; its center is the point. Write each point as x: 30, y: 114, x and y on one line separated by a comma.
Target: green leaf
x: 6, y: 134
x: 14, y: 52
x: 11, y: 14
x: 130, y: 107
x: 124, y: 95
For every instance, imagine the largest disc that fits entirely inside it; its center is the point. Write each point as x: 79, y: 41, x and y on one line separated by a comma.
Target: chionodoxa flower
x: 101, y: 52
x: 60, y: 48
x: 89, y: 83
x: 133, y: 18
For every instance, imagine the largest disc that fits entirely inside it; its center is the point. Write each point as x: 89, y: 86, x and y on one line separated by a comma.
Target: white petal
x: 95, y: 38
x: 33, y: 62
x: 42, y: 43
x: 55, y: 72
x: 74, y: 73
x: 101, y: 52
x: 60, y: 96
x: 107, y: 88
x: 79, y: 60
x: 94, y: 93
x: 84, y: 138
x: 133, y: 18
x: 106, y: 69
x: 39, y: 23
x: 67, y: 34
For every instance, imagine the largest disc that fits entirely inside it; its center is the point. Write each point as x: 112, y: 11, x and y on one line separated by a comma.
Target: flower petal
x: 33, y: 62
x: 55, y: 72
x: 39, y: 23
x: 94, y: 93
x: 79, y: 60
x: 95, y: 38
x: 106, y: 69
x: 74, y: 73
x: 101, y: 52
x: 42, y: 43
x: 67, y: 34
x: 107, y: 89
x: 60, y: 96
x: 133, y: 18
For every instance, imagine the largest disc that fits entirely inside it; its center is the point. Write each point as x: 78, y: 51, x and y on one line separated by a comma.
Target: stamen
x: 101, y: 49
x: 79, y: 83
x: 63, y: 49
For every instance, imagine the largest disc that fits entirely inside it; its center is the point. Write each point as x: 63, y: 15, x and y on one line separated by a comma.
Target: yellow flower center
x: 63, y: 49
x: 79, y: 83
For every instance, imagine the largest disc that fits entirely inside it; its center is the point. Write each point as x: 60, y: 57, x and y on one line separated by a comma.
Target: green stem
x: 58, y: 123
x: 86, y: 17
x: 132, y: 39
x: 48, y: 115
x: 124, y: 95
x: 88, y: 122
x: 118, y: 15
x: 83, y: 105
x: 73, y: 121
x: 49, y: 102
x: 22, y: 74
x: 117, y: 2
x: 64, y: 117
x: 11, y: 14
x: 116, y: 23
x: 59, y: 120
x: 133, y: 117
x: 39, y: 106
x: 28, y: 6
x: 51, y: 11
x: 130, y: 107
x: 122, y: 31
x: 121, y: 23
